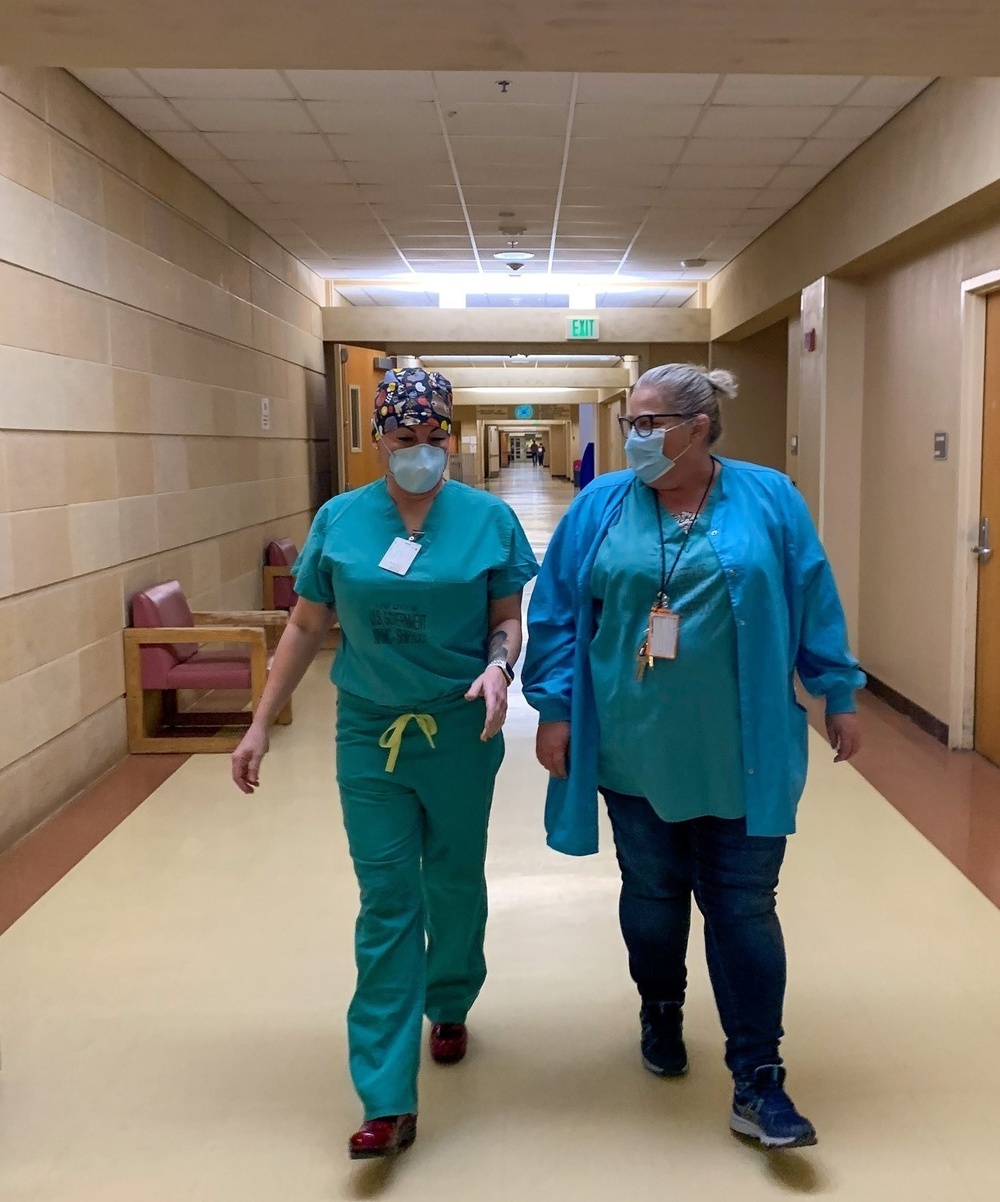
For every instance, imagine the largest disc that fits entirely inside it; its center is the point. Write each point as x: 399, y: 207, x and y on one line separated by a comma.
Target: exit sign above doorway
x: 582, y: 329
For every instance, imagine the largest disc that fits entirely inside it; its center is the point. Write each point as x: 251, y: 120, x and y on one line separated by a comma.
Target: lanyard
x: 665, y: 576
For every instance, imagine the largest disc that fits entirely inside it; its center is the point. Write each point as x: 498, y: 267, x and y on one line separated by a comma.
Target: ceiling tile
x: 780, y: 198
x: 641, y: 174
x: 427, y: 243
x: 393, y: 193
x: 786, y: 89
x: 271, y: 146
x: 825, y: 152
x: 425, y: 214
x: 645, y: 89
x: 216, y: 172
x: 209, y: 84
x: 307, y: 171
x: 647, y: 152
x: 856, y: 123
x: 800, y: 176
x: 507, y: 120
x: 113, y: 81
x: 385, y: 171
x: 396, y: 115
x: 399, y: 148
x: 354, y: 86
x: 607, y: 194
x: 755, y: 221
x: 629, y: 121
x: 510, y: 194
x: 732, y: 121
x: 246, y: 116
x: 888, y: 93
x: 706, y: 200
x: 527, y: 87
x: 299, y: 192
x: 428, y: 233
x: 694, y: 176
x: 150, y: 115
x: 741, y: 152
x: 516, y: 151
x: 498, y: 175
x: 188, y: 148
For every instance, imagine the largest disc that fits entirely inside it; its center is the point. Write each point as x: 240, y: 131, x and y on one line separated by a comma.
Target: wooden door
x: 987, y: 735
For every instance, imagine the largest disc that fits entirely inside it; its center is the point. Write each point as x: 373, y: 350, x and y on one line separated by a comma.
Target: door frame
x: 969, y: 469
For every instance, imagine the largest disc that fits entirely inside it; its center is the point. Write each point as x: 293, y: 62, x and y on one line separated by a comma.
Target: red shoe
x: 449, y: 1042
x: 383, y: 1137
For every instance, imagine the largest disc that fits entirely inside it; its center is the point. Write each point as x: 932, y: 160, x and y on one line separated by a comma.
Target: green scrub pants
x: 417, y: 837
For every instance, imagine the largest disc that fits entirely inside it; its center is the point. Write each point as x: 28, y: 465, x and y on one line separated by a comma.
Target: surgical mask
x: 646, y: 458
x: 419, y: 468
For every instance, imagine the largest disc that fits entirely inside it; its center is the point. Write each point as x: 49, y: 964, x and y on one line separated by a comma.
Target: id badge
x: 664, y: 628
x: 400, y: 556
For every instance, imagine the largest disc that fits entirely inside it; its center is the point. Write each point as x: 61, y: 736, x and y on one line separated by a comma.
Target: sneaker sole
x: 742, y: 1126
x: 662, y: 1072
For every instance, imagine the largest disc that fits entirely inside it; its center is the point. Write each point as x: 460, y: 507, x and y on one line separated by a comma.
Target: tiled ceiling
x: 366, y: 175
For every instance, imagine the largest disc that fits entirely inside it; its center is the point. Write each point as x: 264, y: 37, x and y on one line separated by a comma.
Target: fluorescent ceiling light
x: 513, y: 256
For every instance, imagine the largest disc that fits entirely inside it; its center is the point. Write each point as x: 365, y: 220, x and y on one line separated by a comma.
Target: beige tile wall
x: 142, y: 320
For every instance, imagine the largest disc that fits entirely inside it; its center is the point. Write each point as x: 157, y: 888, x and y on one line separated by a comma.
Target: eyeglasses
x: 644, y: 424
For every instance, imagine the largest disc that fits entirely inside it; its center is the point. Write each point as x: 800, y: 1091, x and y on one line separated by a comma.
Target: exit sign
x: 581, y: 329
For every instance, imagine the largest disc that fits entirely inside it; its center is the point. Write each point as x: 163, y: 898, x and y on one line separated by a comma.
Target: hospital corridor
x: 499, y: 601
x: 172, y: 1008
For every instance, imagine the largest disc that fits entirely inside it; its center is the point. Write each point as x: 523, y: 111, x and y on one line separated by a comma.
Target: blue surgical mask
x: 646, y: 458
x: 419, y: 468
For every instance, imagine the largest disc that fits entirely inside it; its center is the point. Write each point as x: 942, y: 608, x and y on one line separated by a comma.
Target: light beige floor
x: 172, y: 1012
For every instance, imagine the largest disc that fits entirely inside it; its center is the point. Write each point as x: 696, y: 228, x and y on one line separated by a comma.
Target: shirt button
x: 714, y: 533
x: 742, y: 623
x: 749, y: 772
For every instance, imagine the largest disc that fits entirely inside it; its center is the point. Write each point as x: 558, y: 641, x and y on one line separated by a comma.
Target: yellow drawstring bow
x: 393, y: 737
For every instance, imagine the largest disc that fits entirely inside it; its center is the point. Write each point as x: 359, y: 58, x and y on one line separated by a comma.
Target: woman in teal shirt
x: 425, y: 577
x: 674, y: 607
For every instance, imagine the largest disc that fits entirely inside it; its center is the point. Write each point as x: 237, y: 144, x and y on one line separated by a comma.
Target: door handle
x: 983, y: 549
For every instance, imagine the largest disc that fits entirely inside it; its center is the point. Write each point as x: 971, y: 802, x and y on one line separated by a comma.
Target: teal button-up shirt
x: 788, y: 619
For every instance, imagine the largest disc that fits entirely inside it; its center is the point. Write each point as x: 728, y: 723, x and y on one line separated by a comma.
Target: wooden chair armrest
x: 274, y: 570
x: 242, y: 617
x: 155, y: 636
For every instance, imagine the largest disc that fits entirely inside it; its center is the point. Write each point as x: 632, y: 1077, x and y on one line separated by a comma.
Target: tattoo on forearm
x: 498, y: 645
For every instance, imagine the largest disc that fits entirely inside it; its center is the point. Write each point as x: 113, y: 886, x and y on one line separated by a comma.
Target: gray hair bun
x: 724, y: 382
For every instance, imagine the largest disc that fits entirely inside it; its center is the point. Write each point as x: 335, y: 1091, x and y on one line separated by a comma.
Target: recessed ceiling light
x: 513, y: 256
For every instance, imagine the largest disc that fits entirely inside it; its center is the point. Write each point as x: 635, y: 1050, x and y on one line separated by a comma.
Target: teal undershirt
x: 675, y: 737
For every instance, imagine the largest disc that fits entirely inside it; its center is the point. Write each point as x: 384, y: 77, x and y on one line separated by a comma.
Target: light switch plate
x: 795, y: 444
x: 941, y: 445
x: 265, y: 413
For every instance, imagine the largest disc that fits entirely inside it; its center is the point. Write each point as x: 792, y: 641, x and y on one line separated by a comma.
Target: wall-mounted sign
x: 488, y: 413
x: 582, y: 329
x: 559, y: 413
x: 524, y: 413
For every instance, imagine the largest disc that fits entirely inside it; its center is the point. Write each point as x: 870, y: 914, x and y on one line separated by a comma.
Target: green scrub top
x: 419, y: 640
x: 674, y: 737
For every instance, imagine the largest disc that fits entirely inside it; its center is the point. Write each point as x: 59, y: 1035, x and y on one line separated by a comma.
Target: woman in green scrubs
x: 425, y: 576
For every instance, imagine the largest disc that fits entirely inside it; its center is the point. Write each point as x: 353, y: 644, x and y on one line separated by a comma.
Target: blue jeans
x: 733, y: 877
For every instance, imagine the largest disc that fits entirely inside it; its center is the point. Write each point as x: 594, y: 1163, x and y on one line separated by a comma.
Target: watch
x: 504, y: 667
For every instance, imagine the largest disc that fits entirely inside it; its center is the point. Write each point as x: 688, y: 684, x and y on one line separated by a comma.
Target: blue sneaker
x: 763, y: 1111
x: 663, y: 1051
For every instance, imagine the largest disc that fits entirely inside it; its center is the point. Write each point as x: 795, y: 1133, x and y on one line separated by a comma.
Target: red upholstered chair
x: 279, y: 592
x: 168, y: 648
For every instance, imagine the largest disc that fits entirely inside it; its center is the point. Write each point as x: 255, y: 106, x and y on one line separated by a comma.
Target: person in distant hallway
x: 541, y: 454
x: 675, y: 605
x: 426, y: 577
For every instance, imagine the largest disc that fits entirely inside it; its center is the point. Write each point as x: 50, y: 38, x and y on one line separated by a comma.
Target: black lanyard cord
x: 665, y: 577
